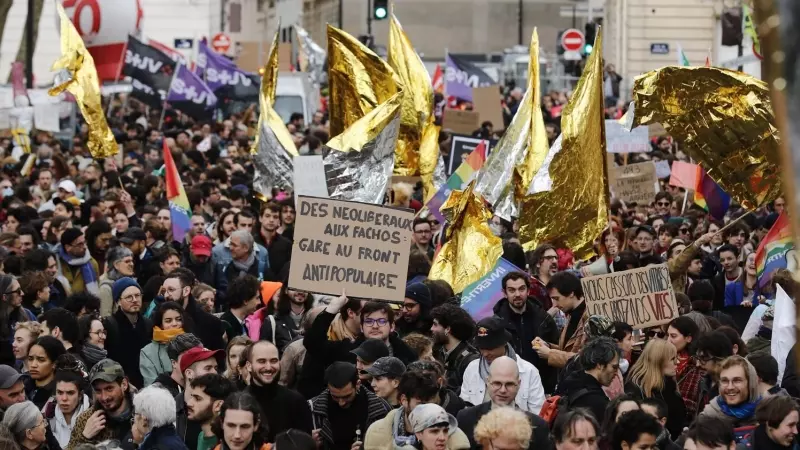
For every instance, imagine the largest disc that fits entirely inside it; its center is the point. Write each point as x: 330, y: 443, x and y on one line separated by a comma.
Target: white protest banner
x: 309, y: 176
x: 358, y: 248
x: 45, y: 118
x: 620, y: 140
x: 662, y: 169
x: 640, y: 297
x: 634, y: 182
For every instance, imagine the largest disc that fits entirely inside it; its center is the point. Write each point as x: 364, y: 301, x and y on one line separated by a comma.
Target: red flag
x: 438, y: 80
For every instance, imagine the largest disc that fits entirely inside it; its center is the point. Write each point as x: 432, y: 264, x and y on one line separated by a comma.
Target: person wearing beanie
x: 76, y: 264
x: 128, y: 330
x: 416, y: 311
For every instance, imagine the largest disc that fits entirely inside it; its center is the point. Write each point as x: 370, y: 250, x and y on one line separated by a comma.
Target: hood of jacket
x: 579, y: 380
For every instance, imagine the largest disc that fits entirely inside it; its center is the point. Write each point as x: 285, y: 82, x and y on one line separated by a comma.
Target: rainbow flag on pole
x: 709, y: 196
x: 461, y: 177
x: 179, y: 209
x: 771, y: 252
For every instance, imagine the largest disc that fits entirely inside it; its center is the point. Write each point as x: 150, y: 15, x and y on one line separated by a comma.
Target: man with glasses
x: 377, y: 322
x: 711, y: 349
x: 423, y: 235
x: 128, y: 330
x: 503, y: 385
x: 662, y: 204
x: 416, y: 317
x: 75, y: 263
x: 645, y: 240
x: 599, y: 359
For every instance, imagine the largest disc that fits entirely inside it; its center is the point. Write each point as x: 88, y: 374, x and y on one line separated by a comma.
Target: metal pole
x: 29, y: 46
x: 164, y: 103
x: 369, y: 17
x: 519, y: 24
x: 341, y: 14
x: 574, y: 18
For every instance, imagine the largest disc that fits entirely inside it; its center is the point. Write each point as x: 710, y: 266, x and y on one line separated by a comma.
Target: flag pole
x: 116, y: 79
x: 164, y: 103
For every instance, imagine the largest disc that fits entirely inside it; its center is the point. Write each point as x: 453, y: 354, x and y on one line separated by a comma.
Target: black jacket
x: 469, y: 418
x: 320, y: 353
x: 676, y: 416
x: 232, y: 325
x: 790, y: 380
x: 584, y: 391
x: 377, y: 409
x: 207, y: 327
x: 279, y: 251
x: 285, y: 331
x: 125, y: 341
x: 165, y: 381
x: 202, y: 270
x: 282, y: 408
x: 188, y: 430
x: 450, y: 401
x: 163, y: 438
x: 456, y: 363
x: 533, y: 323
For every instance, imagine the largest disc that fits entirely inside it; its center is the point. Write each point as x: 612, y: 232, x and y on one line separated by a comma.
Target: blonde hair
x: 648, y: 372
x: 200, y: 288
x: 749, y: 372
x: 507, y: 422
x: 34, y: 328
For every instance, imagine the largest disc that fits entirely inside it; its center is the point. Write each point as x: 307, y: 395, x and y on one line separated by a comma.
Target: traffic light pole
x: 369, y: 17
x: 520, y: 23
x: 29, y: 46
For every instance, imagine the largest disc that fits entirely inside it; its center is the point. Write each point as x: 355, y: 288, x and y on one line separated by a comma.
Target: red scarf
x: 684, y: 363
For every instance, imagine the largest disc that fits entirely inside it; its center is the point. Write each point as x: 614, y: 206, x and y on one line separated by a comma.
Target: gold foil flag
x: 470, y: 250
x: 365, y: 98
x: 78, y: 75
x: 723, y: 119
x: 567, y: 203
x: 417, y: 149
x: 274, y: 148
x: 507, y: 174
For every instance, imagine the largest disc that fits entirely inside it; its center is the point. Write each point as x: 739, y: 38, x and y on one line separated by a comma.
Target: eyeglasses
x: 684, y: 230
x: 15, y: 291
x: 509, y: 385
x: 707, y: 358
x: 99, y: 333
x: 662, y: 203
x: 380, y: 322
x: 132, y: 298
x: 407, y: 307
x: 78, y: 244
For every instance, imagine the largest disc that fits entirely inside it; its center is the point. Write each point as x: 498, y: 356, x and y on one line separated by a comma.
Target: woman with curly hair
x: 505, y: 428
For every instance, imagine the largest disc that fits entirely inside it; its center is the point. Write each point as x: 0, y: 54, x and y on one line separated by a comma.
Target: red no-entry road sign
x: 221, y: 42
x: 572, y: 40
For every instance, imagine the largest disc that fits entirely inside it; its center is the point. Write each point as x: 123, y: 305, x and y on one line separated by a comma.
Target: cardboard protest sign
x: 683, y: 175
x: 356, y: 247
x: 461, y: 146
x: 457, y: 121
x: 479, y: 298
x: 309, y: 176
x: 486, y: 100
x: 634, y: 182
x: 619, y: 140
x: 641, y: 297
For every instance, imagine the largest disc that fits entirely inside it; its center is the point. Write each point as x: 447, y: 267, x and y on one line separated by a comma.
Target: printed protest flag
x: 151, y: 69
x: 773, y: 251
x: 479, y: 298
x: 438, y: 80
x: 465, y: 173
x: 224, y: 78
x: 709, y: 196
x: 461, y: 76
x: 179, y: 210
x: 190, y: 95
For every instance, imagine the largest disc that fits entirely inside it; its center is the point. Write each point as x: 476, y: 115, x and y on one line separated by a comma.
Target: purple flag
x: 461, y: 76
x: 189, y: 94
x: 221, y: 74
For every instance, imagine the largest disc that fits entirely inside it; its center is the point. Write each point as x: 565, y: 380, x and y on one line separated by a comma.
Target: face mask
x: 497, y: 229
x: 8, y: 192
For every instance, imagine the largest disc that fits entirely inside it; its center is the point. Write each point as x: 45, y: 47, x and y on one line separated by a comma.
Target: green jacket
x: 153, y: 361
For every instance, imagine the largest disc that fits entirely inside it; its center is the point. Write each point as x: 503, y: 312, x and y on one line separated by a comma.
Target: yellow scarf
x: 338, y: 331
x: 164, y: 336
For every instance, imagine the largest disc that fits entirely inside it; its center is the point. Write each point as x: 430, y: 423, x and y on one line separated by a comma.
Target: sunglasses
x: 684, y: 230
x: 662, y: 203
x: 656, y: 333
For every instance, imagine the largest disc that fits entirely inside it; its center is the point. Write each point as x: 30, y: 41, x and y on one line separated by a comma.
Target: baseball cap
x: 8, y: 376
x: 106, y: 370
x: 492, y: 333
x: 430, y: 414
x: 646, y: 228
x: 132, y: 235
x: 67, y: 185
x: 193, y: 355
x: 370, y: 350
x: 387, y: 366
x: 201, y: 245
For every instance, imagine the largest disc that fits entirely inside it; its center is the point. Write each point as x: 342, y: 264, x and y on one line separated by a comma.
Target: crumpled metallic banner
x: 78, y: 75
x: 274, y: 148
x: 724, y: 120
x: 575, y: 210
x: 312, y: 57
x: 508, y: 172
x: 470, y: 250
x: 366, y: 98
x: 417, y: 149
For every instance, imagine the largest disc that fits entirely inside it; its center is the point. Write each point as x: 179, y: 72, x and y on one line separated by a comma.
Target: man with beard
x: 205, y: 395
x: 543, y: 265
x: 112, y: 412
x: 75, y: 263
x: 283, y: 408
x: 452, y: 329
x: 128, y: 330
x: 279, y: 248
x: 194, y: 363
x: 291, y: 308
x: 93, y: 184
x: 345, y: 410
x: 530, y: 321
x: 178, y: 288
x: 416, y: 311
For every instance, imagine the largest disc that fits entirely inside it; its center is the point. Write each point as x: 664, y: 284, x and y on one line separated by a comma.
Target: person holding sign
x: 567, y: 294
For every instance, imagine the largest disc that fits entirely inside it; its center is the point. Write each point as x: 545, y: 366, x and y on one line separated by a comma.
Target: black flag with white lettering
x: 151, y: 71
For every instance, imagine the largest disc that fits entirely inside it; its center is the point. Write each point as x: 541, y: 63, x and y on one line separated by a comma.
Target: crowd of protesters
x: 115, y: 334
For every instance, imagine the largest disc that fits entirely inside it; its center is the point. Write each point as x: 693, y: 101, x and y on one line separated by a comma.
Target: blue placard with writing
x: 659, y: 48
x: 184, y: 43
x: 479, y: 298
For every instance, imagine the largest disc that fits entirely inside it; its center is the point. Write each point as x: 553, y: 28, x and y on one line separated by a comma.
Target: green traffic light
x: 380, y: 12
x: 587, y: 49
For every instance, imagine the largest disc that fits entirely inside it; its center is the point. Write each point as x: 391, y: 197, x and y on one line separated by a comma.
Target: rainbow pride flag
x: 772, y: 251
x: 179, y: 209
x: 709, y: 196
x: 461, y: 177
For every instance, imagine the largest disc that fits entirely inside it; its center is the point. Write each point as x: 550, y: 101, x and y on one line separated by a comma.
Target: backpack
x: 558, y: 403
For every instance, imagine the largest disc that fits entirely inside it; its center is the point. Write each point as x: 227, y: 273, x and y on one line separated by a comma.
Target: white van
x: 295, y: 94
